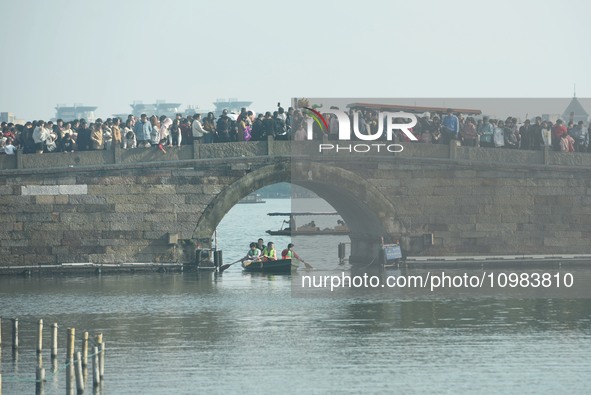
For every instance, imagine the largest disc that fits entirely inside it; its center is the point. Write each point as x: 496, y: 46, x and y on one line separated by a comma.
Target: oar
x: 227, y: 265
x: 308, y: 266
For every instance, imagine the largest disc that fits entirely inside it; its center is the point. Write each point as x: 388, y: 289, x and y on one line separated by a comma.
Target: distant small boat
x: 309, y: 232
x: 279, y: 266
x: 252, y: 198
x: 309, y: 229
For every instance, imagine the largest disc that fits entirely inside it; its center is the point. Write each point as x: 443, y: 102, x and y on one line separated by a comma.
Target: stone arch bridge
x: 144, y: 206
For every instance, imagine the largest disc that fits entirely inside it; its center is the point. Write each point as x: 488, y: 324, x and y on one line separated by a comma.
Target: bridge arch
x: 369, y: 214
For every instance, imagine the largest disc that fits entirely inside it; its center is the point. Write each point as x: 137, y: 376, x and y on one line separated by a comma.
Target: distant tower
x: 575, y: 111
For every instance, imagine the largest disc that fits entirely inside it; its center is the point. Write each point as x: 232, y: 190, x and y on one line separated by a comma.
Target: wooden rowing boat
x: 279, y: 266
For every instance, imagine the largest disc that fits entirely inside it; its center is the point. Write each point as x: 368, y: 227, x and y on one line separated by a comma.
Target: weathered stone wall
x: 474, y: 208
x: 103, y: 215
x: 130, y: 206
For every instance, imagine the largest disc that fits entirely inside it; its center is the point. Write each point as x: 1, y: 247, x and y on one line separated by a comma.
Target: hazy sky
x: 109, y: 53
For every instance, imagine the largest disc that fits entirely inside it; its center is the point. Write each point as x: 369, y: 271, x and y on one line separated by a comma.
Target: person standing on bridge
x: 164, y: 136
x: 469, y: 133
x: 450, y: 127
x: 209, y: 127
x: 486, y: 133
x: 40, y: 135
x: 143, y: 130
x: 199, y: 133
x: 224, y: 128
x: 97, y: 136
x: 116, y: 130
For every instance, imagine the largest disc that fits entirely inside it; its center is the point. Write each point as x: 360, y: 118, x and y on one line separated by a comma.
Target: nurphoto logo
x: 392, y: 121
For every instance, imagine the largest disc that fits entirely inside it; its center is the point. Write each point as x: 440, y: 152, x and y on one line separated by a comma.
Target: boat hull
x: 280, y: 266
x: 307, y: 233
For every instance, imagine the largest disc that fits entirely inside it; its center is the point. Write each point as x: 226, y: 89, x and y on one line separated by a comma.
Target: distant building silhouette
x: 575, y: 111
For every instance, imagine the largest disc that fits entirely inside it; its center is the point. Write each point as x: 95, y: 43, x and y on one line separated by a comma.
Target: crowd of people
x: 487, y: 132
x: 162, y: 131
x: 497, y: 133
x: 143, y: 131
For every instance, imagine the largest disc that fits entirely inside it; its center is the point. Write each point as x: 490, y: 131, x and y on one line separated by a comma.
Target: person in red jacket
x: 289, y: 253
x: 558, y: 131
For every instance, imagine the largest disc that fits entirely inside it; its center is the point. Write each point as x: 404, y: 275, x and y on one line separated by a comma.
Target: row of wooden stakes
x: 75, y: 361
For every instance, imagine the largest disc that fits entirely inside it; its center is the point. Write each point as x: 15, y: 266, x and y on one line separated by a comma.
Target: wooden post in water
x: 70, y: 344
x: 96, y: 374
x: 15, y: 333
x: 39, y: 374
x: 54, y: 365
x: 70, y: 377
x: 40, y: 338
x: 70, y: 361
x: 101, y: 347
x: 54, y: 340
x: 85, y: 349
x: 0, y: 334
x: 39, y: 379
x: 102, y: 360
x: 79, y: 377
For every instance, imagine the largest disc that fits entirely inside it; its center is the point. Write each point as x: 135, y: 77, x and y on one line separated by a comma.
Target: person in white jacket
x: 40, y: 135
x: 197, y: 128
x: 165, y: 136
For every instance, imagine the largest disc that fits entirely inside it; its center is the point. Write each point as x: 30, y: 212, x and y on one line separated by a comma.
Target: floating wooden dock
x: 498, y: 260
x: 93, y: 268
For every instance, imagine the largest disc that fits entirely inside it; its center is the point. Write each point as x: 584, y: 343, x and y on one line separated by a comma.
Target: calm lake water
x: 189, y: 333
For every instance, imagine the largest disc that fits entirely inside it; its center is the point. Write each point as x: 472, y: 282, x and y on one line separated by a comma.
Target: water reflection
x: 165, y: 329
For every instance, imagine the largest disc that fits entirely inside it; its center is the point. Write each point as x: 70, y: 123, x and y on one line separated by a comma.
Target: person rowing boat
x: 269, y: 253
x: 289, y: 253
x: 253, y: 254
